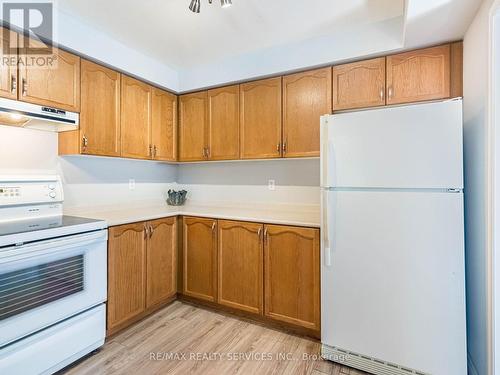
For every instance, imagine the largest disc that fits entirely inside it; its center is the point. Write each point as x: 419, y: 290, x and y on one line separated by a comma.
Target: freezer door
x: 393, y: 284
x: 415, y: 146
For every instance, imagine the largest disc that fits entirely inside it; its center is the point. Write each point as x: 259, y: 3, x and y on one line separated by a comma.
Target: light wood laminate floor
x: 184, y: 339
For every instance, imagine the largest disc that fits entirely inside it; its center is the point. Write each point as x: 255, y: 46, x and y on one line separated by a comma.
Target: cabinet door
x: 223, y: 123
x: 55, y: 86
x: 260, y: 119
x: 126, y: 273
x: 419, y: 75
x: 100, y: 110
x: 136, y: 119
x: 161, y: 261
x: 8, y: 68
x: 164, y: 125
x: 240, y: 265
x: 306, y: 97
x: 192, y: 126
x: 200, y: 258
x: 291, y: 266
x: 359, y: 84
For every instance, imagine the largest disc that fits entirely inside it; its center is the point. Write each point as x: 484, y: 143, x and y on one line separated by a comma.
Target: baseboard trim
x: 256, y: 318
x: 365, y: 363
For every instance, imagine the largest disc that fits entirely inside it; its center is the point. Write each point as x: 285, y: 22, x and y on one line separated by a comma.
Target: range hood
x: 33, y: 116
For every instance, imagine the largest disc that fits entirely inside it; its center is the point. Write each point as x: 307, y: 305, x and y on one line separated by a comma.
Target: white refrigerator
x: 392, y: 276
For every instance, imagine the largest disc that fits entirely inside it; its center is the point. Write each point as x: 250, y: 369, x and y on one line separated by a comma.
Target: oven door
x: 44, y: 282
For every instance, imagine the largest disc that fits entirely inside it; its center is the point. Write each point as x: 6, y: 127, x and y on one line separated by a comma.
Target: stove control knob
x: 52, y: 187
x: 52, y: 194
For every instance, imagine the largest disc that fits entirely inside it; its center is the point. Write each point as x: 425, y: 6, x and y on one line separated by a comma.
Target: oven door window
x: 35, y: 286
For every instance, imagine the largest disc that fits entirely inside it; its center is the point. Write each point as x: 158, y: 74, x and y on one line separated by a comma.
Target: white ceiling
x: 184, y: 51
x: 169, y: 32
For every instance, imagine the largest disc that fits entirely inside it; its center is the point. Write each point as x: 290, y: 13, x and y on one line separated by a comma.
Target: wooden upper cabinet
x: 457, y: 69
x: 135, y: 118
x: 260, y: 119
x: 306, y: 97
x: 164, y: 125
x: 192, y: 126
x: 100, y: 110
x: 200, y: 258
x: 240, y: 273
x: 359, y: 84
x: 292, y: 275
x: 126, y: 273
x: 54, y: 86
x: 419, y: 75
x: 8, y: 67
x: 223, y: 133
x: 161, y: 261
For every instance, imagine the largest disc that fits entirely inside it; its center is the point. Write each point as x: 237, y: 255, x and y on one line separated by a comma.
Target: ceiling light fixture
x: 195, y: 5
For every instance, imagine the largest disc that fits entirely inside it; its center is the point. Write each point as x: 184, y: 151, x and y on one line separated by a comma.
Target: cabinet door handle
x: 382, y: 93
x: 390, y: 92
x: 85, y: 143
x: 151, y: 230
x: 259, y: 234
x: 13, y: 83
x: 213, y: 227
x: 278, y: 147
x: 146, y: 232
x: 266, y: 236
x: 150, y: 150
x: 208, y: 152
x: 284, y: 146
x: 24, y: 87
x: 155, y: 151
x: 204, y: 153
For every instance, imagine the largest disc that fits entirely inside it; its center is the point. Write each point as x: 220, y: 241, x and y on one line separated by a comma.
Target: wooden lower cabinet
x: 142, y: 275
x: 161, y: 261
x: 126, y: 273
x: 292, y: 275
x: 240, y: 273
x: 200, y: 258
x: 269, y: 272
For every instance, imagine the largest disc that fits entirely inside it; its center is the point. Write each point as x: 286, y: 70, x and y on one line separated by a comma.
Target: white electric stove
x: 53, y: 278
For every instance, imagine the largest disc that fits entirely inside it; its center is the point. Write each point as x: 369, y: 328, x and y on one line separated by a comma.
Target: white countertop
x: 284, y: 214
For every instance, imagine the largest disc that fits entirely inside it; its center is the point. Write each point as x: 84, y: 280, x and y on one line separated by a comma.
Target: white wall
x: 95, y: 181
x: 495, y: 191
x: 297, y: 181
x: 475, y: 147
x: 87, y: 180
x: 285, y: 172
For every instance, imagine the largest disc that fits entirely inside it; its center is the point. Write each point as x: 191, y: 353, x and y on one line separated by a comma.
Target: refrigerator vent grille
x: 365, y: 363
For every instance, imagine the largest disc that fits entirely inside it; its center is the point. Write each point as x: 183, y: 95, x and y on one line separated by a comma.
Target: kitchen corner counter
x: 283, y: 214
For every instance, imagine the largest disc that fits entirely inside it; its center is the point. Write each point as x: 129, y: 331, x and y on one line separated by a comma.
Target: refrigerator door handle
x: 327, y: 159
x: 327, y: 254
x: 326, y: 154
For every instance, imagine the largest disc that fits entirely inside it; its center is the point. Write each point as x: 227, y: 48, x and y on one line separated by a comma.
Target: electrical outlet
x: 131, y: 184
x: 271, y: 185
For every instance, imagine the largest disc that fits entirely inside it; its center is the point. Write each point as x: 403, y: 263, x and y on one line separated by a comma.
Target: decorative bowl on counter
x: 176, y: 198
